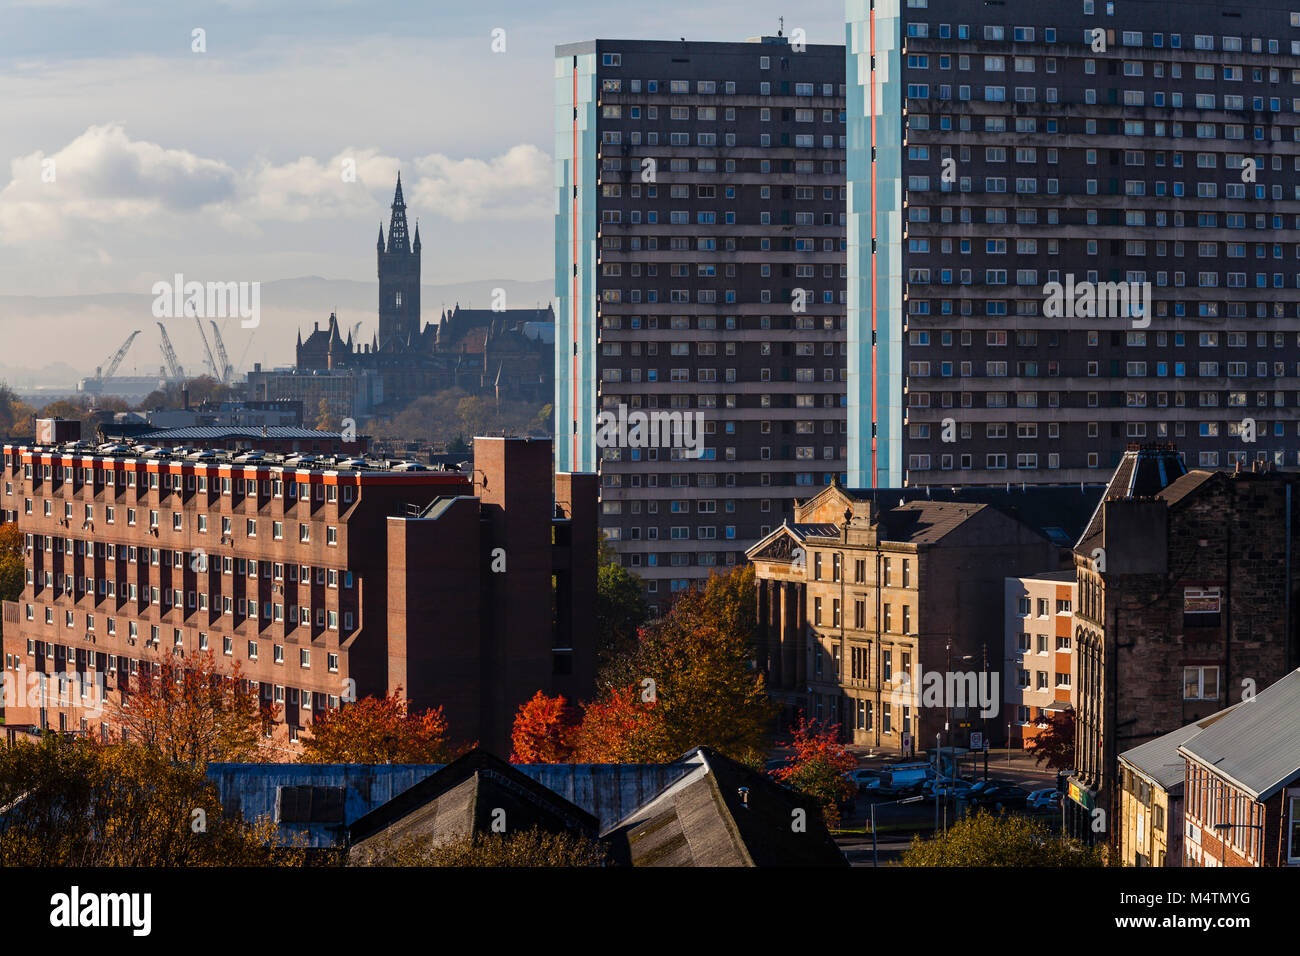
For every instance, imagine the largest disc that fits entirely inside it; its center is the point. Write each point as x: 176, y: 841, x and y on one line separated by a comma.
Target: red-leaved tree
x: 819, y: 765
x: 544, y: 731
x: 378, y: 730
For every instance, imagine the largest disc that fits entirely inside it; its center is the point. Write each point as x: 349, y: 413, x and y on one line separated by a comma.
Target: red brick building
x: 320, y: 578
x: 1242, y: 784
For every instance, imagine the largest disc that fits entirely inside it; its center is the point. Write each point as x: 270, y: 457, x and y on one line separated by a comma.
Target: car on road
x: 983, y: 785
x: 943, y: 787
x: 1045, y: 800
x: 1001, y: 798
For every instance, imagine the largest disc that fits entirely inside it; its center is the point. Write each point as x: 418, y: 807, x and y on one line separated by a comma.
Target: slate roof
x: 1160, y: 760
x: 1256, y: 747
x: 470, y: 795
x: 704, y: 820
x: 1058, y: 512
x: 607, y: 791
x: 217, y: 432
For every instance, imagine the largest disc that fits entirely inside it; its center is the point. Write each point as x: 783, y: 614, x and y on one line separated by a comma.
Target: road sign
x: 976, y: 740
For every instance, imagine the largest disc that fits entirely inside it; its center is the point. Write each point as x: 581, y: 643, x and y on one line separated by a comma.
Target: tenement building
x: 1186, y: 597
x: 1070, y: 226
x: 882, y: 610
x: 699, y: 271
x: 321, y: 578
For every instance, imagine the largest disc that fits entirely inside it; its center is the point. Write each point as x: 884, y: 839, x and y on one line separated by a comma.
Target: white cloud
x: 106, y: 182
x: 515, y: 185
x: 103, y: 176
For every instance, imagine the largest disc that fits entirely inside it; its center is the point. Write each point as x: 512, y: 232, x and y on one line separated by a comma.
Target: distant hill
x: 51, y: 341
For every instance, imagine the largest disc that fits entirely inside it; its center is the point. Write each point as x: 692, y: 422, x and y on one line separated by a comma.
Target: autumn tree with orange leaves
x: 689, y: 681
x: 543, y: 731
x: 378, y: 730
x: 192, y: 713
x: 819, y: 765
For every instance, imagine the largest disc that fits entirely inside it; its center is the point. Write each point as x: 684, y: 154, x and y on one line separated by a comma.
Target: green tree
x: 620, y: 610
x: 475, y: 415
x: 982, y: 839
x: 544, y: 420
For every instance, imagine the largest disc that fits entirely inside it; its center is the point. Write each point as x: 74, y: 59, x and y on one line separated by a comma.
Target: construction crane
x: 212, y: 362
x: 110, y: 367
x: 227, y: 372
x: 169, y: 355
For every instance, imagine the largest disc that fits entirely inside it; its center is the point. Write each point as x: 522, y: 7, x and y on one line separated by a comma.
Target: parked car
x: 998, y: 799
x: 944, y: 787
x: 983, y: 785
x: 1045, y: 800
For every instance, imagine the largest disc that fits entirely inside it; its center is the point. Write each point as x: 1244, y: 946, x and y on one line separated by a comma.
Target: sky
x: 227, y: 164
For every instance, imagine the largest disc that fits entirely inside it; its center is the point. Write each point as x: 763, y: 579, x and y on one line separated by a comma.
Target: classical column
x: 765, y: 627
x: 801, y: 641
x: 790, y: 625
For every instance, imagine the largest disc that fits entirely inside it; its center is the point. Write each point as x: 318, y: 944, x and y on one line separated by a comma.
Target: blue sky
x: 225, y: 164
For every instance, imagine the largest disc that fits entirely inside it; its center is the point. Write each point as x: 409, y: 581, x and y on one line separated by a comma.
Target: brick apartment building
x: 1038, y: 651
x: 1242, y: 783
x: 1185, y: 603
x: 316, y: 576
x: 995, y: 148
x: 865, y: 595
x: 699, y: 268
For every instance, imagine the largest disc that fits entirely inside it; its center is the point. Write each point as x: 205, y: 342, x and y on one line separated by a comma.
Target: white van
x: 904, y: 776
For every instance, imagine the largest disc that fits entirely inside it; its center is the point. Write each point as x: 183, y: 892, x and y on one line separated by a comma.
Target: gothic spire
x: 398, y: 240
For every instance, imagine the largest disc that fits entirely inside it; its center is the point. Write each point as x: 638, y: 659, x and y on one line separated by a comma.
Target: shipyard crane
x: 110, y: 367
x: 169, y: 355
x: 227, y: 372
x: 212, y: 362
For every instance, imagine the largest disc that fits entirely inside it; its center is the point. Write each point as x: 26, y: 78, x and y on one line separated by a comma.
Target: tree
x: 192, y: 713
x: 73, y: 802
x: 819, y: 766
x: 543, y: 731
x: 533, y: 847
x: 378, y: 730
x: 620, y: 610
x: 706, y: 688
x: 11, y: 562
x: 1055, y: 743
x: 616, y: 728
x: 982, y: 839
x: 475, y: 415
x: 325, y: 418
x: 544, y: 420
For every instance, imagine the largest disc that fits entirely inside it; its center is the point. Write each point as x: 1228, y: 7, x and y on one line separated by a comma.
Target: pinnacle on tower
x: 398, y: 240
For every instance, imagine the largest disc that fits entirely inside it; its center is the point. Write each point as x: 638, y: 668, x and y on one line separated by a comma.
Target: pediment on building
x: 779, y: 545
